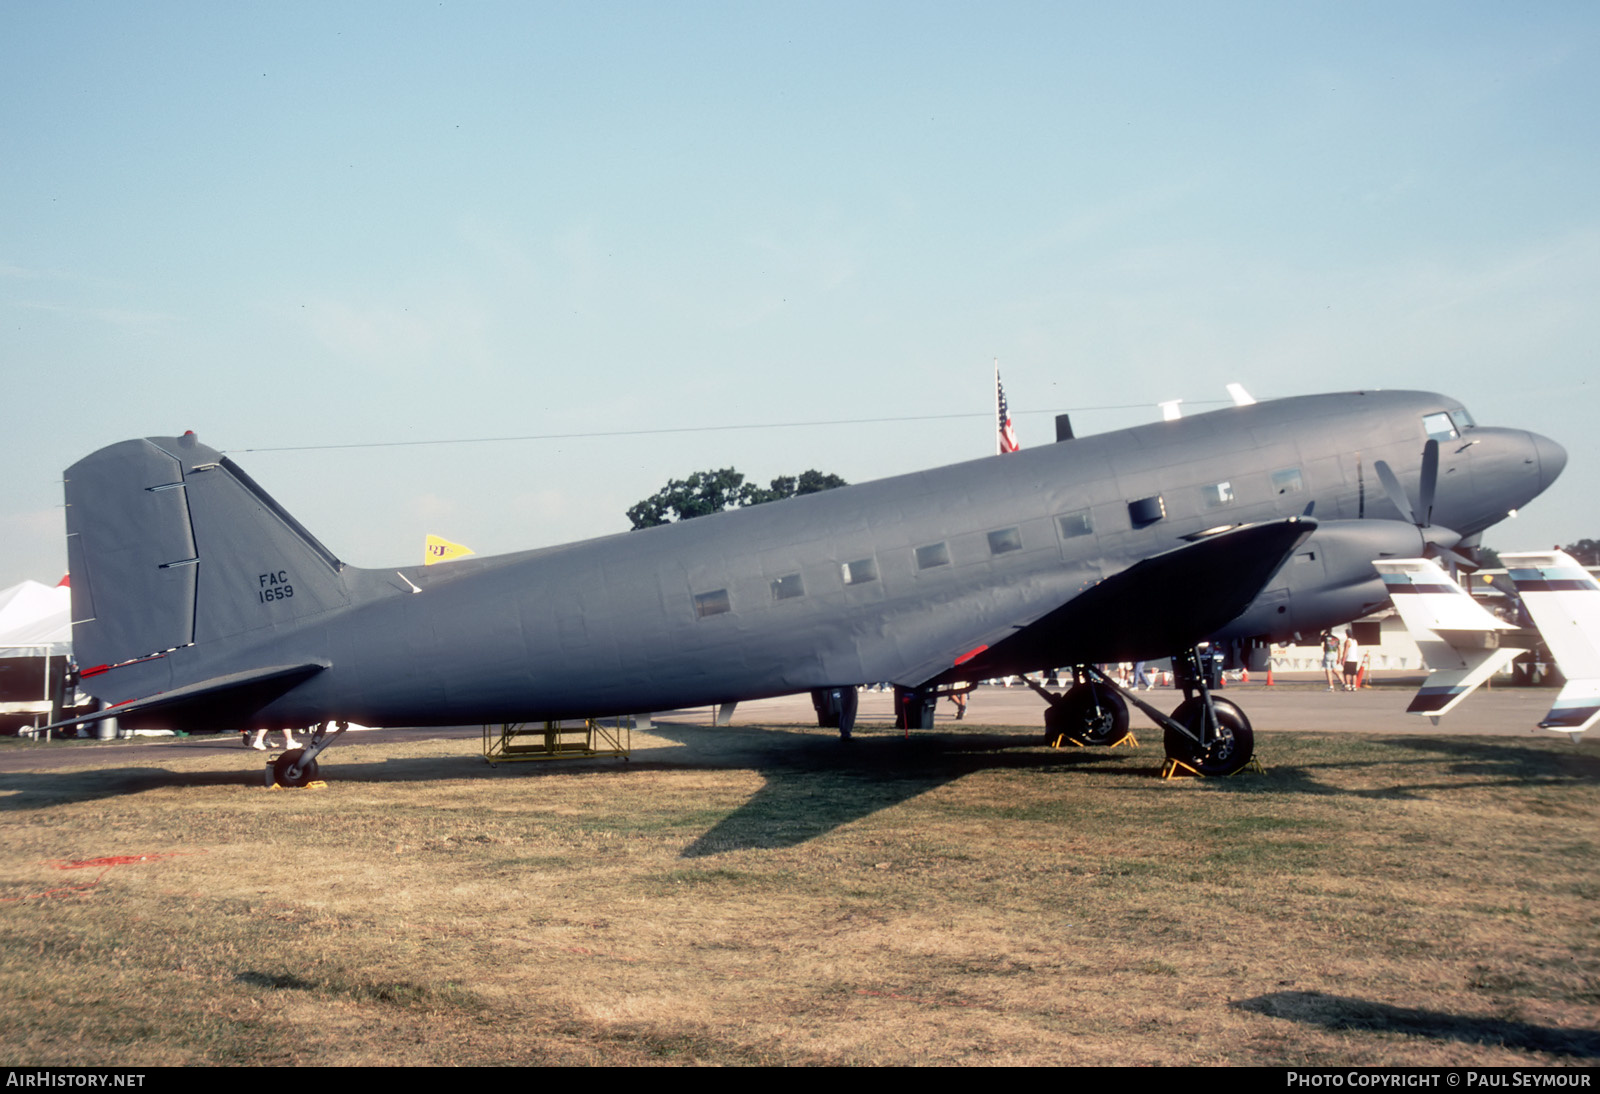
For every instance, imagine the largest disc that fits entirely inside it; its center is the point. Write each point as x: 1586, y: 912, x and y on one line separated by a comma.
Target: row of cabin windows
x: 1213, y: 495
x: 862, y: 571
x: 1141, y: 512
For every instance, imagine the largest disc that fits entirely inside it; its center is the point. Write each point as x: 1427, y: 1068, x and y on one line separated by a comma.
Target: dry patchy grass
x: 738, y: 896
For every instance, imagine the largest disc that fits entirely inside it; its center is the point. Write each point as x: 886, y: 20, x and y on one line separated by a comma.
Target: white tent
x: 35, y: 620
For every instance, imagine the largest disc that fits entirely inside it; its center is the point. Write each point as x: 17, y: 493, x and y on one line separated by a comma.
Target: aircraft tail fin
x: 1459, y: 640
x: 169, y: 544
x: 1564, y: 600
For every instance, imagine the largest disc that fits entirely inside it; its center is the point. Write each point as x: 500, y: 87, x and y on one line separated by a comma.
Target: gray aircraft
x: 199, y: 603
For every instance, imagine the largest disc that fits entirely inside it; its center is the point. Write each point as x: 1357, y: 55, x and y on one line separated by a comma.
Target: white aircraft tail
x: 1458, y: 638
x: 1564, y: 601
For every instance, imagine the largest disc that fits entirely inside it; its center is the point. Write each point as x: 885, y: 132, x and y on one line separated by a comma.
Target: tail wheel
x: 1091, y: 713
x: 282, y: 765
x: 1227, y: 752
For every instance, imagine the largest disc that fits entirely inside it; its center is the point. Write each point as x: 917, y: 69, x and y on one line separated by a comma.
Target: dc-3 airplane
x: 200, y: 604
x: 1465, y: 644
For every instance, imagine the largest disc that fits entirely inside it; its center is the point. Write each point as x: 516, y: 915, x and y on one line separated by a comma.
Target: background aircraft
x: 199, y: 602
x: 1464, y: 644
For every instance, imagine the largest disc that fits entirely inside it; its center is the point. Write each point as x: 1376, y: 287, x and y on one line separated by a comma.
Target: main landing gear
x: 298, y: 766
x: 1209, y: 735
x: 1090, y: 712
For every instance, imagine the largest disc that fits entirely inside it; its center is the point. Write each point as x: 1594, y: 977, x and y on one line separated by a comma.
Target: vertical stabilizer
x: 1564, y: 601
x: 1459, y: 640
x: 169, y: 544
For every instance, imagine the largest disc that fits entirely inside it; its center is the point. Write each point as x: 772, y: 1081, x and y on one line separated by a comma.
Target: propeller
x: 1439, y: 541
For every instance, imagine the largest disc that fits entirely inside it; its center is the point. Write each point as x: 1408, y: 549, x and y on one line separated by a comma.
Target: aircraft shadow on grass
x: 1336, y: 1012
x: 813, y: 784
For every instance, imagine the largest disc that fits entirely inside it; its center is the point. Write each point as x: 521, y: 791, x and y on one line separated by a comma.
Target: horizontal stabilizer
x: 227, y: 700
x: 1576, y: 708
x: 1564, y: 601
x: 1459, y: 639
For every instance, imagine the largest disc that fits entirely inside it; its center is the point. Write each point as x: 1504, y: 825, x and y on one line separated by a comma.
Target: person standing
x: 1352, y: 658
x: 1330, y: 659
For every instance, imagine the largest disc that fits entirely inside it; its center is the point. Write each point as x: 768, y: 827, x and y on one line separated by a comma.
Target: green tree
x: 713, y: 491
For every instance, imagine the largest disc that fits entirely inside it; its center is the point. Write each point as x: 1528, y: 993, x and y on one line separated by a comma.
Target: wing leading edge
x: 1164, y: 603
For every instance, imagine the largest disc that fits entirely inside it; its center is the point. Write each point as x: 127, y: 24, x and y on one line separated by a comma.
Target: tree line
x: 706, y: 492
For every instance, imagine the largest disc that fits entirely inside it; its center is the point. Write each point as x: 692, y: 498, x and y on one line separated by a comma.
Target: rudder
x: 170, y: 543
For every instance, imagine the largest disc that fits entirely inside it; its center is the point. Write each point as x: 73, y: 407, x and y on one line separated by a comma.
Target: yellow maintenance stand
x: 573, y: 738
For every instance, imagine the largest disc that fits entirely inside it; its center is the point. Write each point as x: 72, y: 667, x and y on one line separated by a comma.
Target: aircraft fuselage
x: 892, y: 580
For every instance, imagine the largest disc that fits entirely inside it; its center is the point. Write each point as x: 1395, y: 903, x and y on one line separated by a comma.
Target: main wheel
x: 1091, y: 713
x: 281, y: 766
x: 1229, y: 751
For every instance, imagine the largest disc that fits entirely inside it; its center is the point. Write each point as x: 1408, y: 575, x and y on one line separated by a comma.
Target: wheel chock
x: 1175, y: 768
x: 314, y: 784
x: 1127, y: 740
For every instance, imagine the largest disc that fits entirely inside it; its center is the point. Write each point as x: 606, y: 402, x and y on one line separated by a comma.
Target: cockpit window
x: 1438, y: 427
x: 1463, y: 420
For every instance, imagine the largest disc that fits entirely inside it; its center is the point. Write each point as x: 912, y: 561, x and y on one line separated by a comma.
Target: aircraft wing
x: 1458, y: 638
x: 1163, y: 603
x: 1564, y: 601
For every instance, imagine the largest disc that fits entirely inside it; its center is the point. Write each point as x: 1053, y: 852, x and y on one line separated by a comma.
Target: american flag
x: 1008, y: 436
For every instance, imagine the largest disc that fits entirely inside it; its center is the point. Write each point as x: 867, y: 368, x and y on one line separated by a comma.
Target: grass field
x: 738, y: 896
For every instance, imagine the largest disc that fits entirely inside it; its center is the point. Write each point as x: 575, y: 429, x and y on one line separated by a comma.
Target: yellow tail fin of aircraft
x: 439, y: 549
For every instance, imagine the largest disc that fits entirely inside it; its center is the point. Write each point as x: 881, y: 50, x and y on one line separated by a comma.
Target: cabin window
x: 860, y: 571
x: 1146, y: 510
x: 787, y: 587
x: 712, y: 603
x: 934, y: 554
x: 1217, y: 494
x: 1287, y: 481
x: 1075, y: 524
x: 1439, y: 427
x: 1007, y: 539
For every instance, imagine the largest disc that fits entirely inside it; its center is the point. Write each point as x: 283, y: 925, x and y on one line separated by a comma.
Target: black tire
x: 1091, y: 713
x: 1227, y: 753
x: 281, y: 766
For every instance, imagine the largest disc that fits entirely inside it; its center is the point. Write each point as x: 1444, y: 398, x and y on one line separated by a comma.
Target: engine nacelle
x: 1328, y: 581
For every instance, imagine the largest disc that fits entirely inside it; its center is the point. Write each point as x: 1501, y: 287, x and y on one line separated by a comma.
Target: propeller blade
x: 1396, y: 492
x: 1430, y: 479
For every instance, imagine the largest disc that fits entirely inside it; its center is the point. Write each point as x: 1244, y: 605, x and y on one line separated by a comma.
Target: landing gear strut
x: 1091, y: 713
x: 1211, y: 735
x: 1207, y: 734
x: 298, y: 766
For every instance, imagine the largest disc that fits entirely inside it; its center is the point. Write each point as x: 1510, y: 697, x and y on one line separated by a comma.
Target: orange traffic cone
x: 1244, y: 676
x: 1270, y: 682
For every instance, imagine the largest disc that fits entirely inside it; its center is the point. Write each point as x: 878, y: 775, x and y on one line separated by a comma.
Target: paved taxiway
x: 1299, y: 706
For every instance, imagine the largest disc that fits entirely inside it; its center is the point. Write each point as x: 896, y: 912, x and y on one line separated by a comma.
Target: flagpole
x: 999, y: 442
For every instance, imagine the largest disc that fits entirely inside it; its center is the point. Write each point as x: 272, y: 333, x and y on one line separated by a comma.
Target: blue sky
x: 290, y: 225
